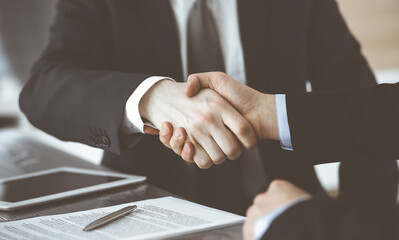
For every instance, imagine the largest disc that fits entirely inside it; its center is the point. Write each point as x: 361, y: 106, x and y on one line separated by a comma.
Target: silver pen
x: 110, y: 218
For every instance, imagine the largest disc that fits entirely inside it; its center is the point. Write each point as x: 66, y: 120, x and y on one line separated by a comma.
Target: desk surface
x: 20, y: 154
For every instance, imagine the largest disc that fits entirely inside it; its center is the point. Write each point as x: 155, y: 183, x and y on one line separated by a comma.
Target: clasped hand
x: 214, y: 128
x: 209, y: 118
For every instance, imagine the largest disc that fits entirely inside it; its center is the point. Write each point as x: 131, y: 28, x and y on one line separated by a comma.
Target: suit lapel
x: 255, y: 30
x: 161, y: 24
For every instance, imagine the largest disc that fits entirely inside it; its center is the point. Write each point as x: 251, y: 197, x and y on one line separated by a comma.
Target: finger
x: 213, y: 150
x: 150, y: 130
x: 240, y: 127
x: 166, y: 134
x: 178, y: 139
x: 227, y: 142
x: 205, y: 145
x: 201, y: 157
x: 188, y: 152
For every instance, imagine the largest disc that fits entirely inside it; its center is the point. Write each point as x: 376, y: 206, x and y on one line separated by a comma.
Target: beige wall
x: 375, y: 23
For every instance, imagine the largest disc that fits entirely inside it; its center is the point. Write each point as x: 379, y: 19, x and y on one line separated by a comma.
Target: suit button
x: 104, y: 142
x: 100, y: 141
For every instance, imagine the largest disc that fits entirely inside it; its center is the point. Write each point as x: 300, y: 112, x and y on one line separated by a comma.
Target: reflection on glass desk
x: 20, y: 154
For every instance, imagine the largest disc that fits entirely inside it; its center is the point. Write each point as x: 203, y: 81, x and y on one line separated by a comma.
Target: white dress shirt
x: 226, y: 17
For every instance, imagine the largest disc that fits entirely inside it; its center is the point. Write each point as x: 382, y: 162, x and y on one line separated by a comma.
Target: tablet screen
x: 47, y: 184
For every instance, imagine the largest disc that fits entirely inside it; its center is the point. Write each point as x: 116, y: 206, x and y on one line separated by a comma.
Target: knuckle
x: 252, y: 145
x: 214, y: 74
x: 219, y: 160
x: 204, y: 163
x: 234, y: 152
x: 191, y: 76
x: 187, y: 156
x: 175, y: 144
x: 193, y: 127
x: 243, y: 128
x: 258, y: 198
x: 276, y: 183
x: 219, y: 75
x: 164, y: 141
x: 179, y: 132
x: 166, y: 130
x: 207, y: 118
x: 162, y: 138
x: 249, y: 210
x: 219, y: 105
x: 220, y: 78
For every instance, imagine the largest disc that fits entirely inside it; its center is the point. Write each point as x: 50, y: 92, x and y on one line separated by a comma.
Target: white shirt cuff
x: 282, y: 123
x: 263, y: 223
x: 132, y: 113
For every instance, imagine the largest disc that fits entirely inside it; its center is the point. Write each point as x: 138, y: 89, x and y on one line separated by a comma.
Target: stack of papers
x: 153, y: 219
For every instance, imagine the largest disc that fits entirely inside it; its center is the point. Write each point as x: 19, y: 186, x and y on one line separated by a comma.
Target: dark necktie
x: 204, y: 54
x: 203, y: 45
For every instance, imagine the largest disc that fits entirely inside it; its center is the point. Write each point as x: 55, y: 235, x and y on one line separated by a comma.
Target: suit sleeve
x: 334, y: 60
x: 72, y: 94
x: 347, y: 124
x: 364, y: 209
x: 334, y: 220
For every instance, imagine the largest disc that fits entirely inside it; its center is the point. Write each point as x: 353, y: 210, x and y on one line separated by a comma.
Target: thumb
x: 198, y: 81
x: 219, y: 82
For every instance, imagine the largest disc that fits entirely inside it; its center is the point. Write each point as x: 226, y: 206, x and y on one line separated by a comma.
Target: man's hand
x: 279, y: 193
x: 211, y: 124
x: 258, y: 108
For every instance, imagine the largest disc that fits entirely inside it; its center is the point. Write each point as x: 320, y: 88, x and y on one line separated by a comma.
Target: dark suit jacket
x: 364, y: 123
x: 101, y: 50
x: 335, y: 220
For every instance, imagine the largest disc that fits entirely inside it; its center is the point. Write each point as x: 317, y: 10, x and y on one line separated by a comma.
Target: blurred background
x: 24, y: 29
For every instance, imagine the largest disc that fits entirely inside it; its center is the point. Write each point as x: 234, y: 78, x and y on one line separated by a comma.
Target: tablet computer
x: 59, y: 183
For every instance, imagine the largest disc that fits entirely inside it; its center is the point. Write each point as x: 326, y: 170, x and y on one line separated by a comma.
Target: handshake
x: 210, y: 118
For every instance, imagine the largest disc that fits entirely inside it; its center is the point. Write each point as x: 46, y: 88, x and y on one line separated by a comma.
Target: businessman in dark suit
x: 90, y: 85
x: 362, y: 123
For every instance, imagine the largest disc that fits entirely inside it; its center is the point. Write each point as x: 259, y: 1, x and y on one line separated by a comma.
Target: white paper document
x: 153, y: 219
